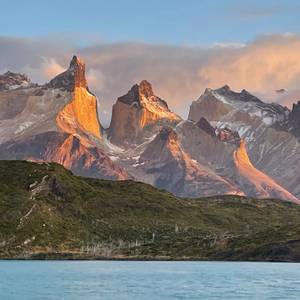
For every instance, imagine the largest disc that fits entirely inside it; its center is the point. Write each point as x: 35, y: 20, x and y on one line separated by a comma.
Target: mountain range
x: 232, y: 142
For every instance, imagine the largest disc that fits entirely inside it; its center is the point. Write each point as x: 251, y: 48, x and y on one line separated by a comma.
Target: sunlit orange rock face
x: 78, y: 121
x: 86, y: 161
x: 80, y: 114
x: 255, y: 181
x: 172, y: 168
x: 139, y: 109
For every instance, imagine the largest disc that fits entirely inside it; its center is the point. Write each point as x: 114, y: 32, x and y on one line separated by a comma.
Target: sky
x: 176, y: 22
x: 181, y: 47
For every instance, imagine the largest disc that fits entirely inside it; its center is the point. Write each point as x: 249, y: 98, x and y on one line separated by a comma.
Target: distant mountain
x: 56, y: 122
x: 232, y: 143
x: 224, y: 104
x: 254, y: 182
x: 170, y: 167
x: 13, y: 81
x: 292, y: 122
x: 138, y: 115
x: 266, y: 128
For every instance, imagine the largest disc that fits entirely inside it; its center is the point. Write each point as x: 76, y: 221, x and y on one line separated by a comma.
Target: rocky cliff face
x: 56, y: 122
x: 73, y: 77
x: 226, y: 155
x: 256, y: 183
x: 12, y: 81
x: 146, y: 141
x: 138, y: 114
x: 66, y: 150
x: 223, y: 104
x: 294, y: 119
x: 260, y: 124
x: 166, y: 165
x: 80, y: 114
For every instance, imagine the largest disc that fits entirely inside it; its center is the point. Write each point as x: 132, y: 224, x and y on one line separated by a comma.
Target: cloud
x: 248, y: 10
x: 289, y: 98
x: 265, y: 65
x: 95, y: 79
x: 178, y: 74
x: 50, y: 68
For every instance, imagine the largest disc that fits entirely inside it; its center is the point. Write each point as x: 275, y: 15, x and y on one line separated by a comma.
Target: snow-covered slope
x: 224, y: 104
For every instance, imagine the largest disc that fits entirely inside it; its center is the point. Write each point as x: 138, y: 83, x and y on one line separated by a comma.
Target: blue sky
x: 164, y: 22
x: 251, y: 45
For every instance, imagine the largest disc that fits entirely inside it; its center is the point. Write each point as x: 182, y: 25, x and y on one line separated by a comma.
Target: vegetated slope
x: 46, y: 212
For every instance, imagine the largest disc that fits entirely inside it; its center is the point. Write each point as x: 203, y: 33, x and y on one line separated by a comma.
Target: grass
x: 47, y: 212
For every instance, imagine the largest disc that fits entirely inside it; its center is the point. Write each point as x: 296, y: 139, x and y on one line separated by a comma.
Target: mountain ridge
x: 137, y: 110
x: 58, y: 122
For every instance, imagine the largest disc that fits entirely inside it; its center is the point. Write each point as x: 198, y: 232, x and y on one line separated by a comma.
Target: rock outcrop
x: 229, y: 136
x: 170, y: 167
x: 294, y: 119
x: 56, y: 122
x: 12, y: 81
x: 206, y: 126
x: 256, y: 183
x: 80, y: 115
x: 66, y: 150
x: 223, y: 104
x: 146, y: 141
x: 139, y: 114
x: 73, y: 77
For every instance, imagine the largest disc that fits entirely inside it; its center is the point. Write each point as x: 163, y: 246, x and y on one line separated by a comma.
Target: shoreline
x: 140, y: 259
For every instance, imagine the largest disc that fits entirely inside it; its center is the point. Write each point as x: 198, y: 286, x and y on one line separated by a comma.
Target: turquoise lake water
x: 148, y: 280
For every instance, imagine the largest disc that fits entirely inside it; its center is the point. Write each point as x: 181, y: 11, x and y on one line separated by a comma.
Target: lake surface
x: 148, y: 280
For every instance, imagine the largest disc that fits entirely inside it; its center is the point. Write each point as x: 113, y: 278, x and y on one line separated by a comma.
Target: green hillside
x: 46, y: 212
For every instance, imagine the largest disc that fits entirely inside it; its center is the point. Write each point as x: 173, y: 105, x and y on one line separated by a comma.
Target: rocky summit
x: 11, y: 81
x: 139, y: 114
x: 56, y: 122
x: 232, y: 142
x: 73, y: 77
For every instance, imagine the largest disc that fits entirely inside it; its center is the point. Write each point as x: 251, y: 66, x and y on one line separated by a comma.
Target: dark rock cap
x: 73, y: 77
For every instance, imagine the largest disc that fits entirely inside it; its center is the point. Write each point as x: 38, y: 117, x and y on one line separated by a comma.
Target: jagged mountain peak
x: 296, y: 108
x: 141, y: 94
x: 145, y: 88
x: 137, y: 110
x: 163, y: 145
x: 224, y: 104
x: 292, y: 123
x: 225, y: 88
x: 73, y: 77
x: 76, y: 62
x: 231, y: 95
x: 243, y: 96
x: 11, y: 81
x: 171, y: 167
x: 80, y: 115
